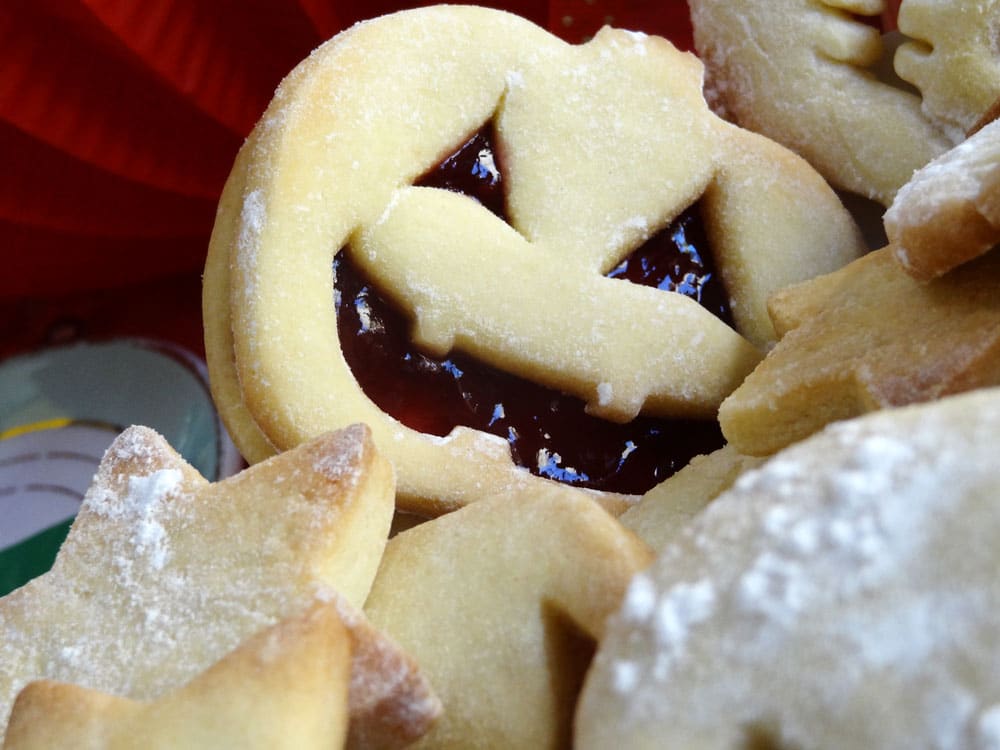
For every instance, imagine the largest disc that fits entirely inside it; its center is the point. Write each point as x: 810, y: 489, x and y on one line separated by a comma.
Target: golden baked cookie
x: 844, y: 595
x: 798, y: 71
x: 662, y: 513
x: 285, y: 687
x: 952, y: 58
x: 163, y: 573
x: 600, y: 147
x: 501, y: 603
x: 866, y: 337
x: 949, y: 212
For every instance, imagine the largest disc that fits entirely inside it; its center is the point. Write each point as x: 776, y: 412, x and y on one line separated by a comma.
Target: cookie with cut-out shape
x: 501, y: 603
x: 285, y: 687
x: 799, y: 72
x: 952, y: 58
x: 843, y: 595
x: 867, y: 337
x: 601, y: 146
x: 949, y: 212
x: 163, y: 572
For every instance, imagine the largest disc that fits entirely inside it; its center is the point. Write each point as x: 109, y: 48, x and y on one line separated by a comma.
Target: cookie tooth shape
x: 663, y: 512
x: 843, y: 595
x: 432, y: 249
x: 794, y: 70
x: 163, y: 572
x: 602, y: 146
x: 285, y: 687
x: 952, y: 58
x: 949, y: 212
x: 497, y: 602
x: 867, y: 337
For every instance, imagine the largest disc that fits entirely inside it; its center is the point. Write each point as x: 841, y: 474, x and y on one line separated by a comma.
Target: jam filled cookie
x: 163, y: 573
x: 844, y: 595
x: 583, y: 155
x: 797, y: 71
x: 501, y: 603
x: 949, y: 212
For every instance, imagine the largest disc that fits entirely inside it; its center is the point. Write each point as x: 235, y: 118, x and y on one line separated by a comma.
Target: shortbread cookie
x: 842, y: 596
x: 796, y: 71
x: 501, y: 602
x: 949, y: 212
x: 867, y: 337
x: 285, y: 687
x: 953, y: 58
x: 163, y: 573
x: 600, y: 147
x: 662, y: 513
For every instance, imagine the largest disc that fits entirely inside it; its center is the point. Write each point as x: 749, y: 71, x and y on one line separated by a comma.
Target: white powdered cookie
x: 163, y: 573
x: 602, y: 145
x: 844, y: 595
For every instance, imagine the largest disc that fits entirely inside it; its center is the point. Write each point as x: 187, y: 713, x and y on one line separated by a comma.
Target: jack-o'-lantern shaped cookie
x: 485, y: 190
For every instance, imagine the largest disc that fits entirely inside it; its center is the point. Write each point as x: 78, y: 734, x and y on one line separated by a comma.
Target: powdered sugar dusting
x: 958, y: 174
x: 163, y: 573
x: 829, y: 571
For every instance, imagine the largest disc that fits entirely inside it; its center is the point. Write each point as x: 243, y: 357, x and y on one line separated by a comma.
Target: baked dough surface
x: 843, y: 595
x: 798, y: 72
x: 949, y: 212
x: 602, y: 144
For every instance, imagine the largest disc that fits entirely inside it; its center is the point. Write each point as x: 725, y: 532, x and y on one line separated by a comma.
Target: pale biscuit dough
x: 501, y: 602
x: 284, y: 688
x: 953, y: 58
x: 662, y: 513
x: 163, y: 573
x: 796, y: 71
x: 620, y: 121
x: 844, y: 595
x: 949, y: 212
x: 867, y: 337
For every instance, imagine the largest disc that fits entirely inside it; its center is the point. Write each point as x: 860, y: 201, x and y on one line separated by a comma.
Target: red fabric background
x: 118, y: 125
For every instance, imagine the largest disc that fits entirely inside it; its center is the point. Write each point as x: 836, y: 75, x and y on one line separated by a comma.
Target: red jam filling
x: 549, y: 433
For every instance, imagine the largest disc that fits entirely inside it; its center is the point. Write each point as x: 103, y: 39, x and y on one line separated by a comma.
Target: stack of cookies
x: 578, y: 407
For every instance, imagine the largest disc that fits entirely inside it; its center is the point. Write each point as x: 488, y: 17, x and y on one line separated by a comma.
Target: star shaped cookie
x: 866, y: 337
x: 163, y: 573
x: 285, y: 687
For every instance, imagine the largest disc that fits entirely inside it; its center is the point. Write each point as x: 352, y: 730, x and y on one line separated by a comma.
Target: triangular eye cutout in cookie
x: 473, y: 170
x: 548, y: 432
x: 679, y: 259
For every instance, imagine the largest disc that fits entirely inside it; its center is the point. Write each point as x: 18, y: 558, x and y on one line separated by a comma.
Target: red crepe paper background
x: 119, y: 122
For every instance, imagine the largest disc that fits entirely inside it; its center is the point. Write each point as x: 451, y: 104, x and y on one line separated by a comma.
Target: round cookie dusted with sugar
x: 603, y: 145
x: 798, y: 72
x: 843, y: 595
x: 953, y: 58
